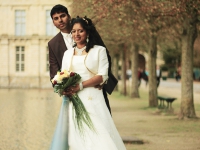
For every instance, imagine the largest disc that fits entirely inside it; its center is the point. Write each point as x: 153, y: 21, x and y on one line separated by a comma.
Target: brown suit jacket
x: 57, y: 48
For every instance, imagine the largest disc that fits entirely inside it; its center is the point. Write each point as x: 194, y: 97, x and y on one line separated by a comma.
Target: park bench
x: 169, y: 101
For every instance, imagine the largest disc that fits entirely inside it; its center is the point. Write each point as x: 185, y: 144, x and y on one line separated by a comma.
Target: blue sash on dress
x: 60, y: 138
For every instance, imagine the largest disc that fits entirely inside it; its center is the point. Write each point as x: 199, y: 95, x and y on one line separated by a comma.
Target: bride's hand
x: 71, y: 90
x: 68, y: 93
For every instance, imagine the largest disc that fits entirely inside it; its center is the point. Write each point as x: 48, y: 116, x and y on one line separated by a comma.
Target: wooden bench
x: 169, y: 101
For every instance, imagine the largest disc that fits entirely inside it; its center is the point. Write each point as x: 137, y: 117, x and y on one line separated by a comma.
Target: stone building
x: 25, y: 29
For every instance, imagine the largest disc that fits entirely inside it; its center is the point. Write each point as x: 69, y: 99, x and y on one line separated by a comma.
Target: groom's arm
x: 53, y: 63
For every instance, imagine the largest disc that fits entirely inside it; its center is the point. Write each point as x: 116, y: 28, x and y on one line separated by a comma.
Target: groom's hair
x: 58, y: 9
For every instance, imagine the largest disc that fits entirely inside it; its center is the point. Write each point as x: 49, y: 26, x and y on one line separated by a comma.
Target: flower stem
x: 82, y: 116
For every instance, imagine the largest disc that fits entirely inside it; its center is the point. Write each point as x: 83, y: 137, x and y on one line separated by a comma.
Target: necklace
x: 79, y: 51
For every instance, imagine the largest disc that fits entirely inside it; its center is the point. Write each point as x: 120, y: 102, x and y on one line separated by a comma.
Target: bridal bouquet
x: 63, y: 80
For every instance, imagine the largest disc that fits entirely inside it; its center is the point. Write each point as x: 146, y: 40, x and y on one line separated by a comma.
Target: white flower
x: 58, y: 78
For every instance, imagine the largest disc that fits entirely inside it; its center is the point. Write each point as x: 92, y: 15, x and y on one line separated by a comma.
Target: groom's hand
x: 99, y: 86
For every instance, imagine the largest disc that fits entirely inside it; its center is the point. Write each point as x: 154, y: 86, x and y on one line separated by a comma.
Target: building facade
x: 25, y: 29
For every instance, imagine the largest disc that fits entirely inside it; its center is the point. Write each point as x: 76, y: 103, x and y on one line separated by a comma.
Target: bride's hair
x: 87, y: 24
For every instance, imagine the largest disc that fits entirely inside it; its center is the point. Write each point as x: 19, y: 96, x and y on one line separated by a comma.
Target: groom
x: 63, y: 41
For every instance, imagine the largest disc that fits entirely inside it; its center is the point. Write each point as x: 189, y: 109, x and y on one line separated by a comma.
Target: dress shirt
x: 68, y: 40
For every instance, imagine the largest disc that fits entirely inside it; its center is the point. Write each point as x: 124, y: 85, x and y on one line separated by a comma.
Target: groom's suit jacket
x: 57, y: 48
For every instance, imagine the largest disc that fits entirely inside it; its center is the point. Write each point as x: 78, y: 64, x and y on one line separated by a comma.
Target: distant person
x: 158, y: 75
x: 139, y: 76
x: 128, y: 73
x: 144, y: 75
x: 146, y: 72
x: 178, y: 74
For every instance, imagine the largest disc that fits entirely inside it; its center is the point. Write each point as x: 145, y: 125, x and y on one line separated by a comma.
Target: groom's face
x: 61, y: 21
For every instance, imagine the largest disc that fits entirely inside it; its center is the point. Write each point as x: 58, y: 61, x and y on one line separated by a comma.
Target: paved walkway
x: 173, y: 88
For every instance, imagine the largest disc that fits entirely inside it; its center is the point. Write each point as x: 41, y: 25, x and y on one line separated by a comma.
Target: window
x: 50, y: 28
x: 20, y: 58
x: 47, y: 59
x: 20, y: 22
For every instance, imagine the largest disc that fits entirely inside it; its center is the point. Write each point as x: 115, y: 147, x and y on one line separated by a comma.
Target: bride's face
x: 79, y: 34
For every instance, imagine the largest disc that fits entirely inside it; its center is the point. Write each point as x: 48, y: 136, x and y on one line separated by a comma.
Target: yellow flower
x: 64, y: 74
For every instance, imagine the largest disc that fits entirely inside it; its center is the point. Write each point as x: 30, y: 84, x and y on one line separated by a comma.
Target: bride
x: 91, y: 62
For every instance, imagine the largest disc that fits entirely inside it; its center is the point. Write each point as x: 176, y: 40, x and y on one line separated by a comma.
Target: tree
x: 134, y: 68
x: 189, y: 10
x: 154, y: 14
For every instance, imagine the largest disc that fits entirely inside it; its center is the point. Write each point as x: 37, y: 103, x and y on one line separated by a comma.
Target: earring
x: 74, y: 43
x: 87, y: 40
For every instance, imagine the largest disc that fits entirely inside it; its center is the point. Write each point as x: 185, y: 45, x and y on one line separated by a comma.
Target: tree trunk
x: 153, y: 102
x: 116, y: 68
x: 134, y: 69
x: 188, y: 37
x: 123, y: 56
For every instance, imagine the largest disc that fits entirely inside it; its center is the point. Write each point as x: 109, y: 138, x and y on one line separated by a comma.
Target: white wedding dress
x: 106, y: 136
